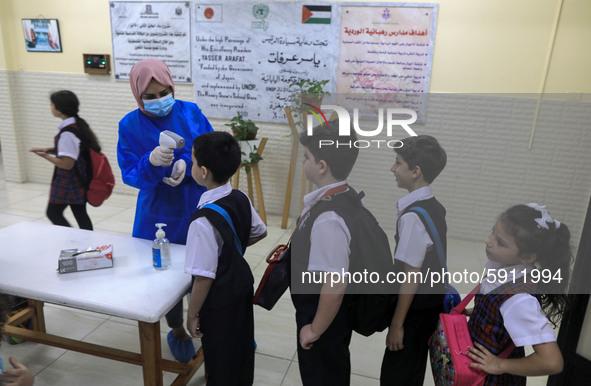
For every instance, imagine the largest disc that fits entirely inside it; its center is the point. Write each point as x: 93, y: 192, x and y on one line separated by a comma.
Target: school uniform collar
x: 66, y: 122
x: 496, y: 272
x: 313, y: 197
x: 420, y: 194
x: 214, y: 194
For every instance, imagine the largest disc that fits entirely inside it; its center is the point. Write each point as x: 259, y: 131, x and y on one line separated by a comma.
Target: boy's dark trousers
x: 407, y: 366
x: 174, y: 317
x: 228, y: 343
x: 328, y: 362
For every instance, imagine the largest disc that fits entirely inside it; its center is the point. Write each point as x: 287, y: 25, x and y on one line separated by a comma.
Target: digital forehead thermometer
x: 171, y: 140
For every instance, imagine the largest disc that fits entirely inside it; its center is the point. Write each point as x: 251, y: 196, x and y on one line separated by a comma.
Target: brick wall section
x: 11, y: 140
x: 486, y: 138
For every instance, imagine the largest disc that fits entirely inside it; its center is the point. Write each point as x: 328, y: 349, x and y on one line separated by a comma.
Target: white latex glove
x: 178, y: 173
x: 161, y: 156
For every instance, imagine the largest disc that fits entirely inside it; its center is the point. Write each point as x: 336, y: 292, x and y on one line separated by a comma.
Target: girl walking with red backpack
x: 70, y: 157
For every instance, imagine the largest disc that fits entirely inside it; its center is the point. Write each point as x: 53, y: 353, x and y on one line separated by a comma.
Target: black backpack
x: 370, y: 307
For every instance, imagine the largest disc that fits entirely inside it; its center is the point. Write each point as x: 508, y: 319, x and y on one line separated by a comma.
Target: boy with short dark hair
x: 221, y: 310
x: 321, y: 244
x: 418, y: 162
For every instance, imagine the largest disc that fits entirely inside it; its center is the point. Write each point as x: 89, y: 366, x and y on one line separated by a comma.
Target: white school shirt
x: 329, y: 238
x: 522, y: 313
x: 414, y: 241
x: 68, y: 144
x: 204, y: 242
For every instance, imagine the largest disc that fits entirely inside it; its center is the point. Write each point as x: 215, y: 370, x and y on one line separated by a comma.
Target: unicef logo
x: 260, y: 11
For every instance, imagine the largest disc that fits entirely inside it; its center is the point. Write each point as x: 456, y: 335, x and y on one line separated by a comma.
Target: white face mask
x: 160, y: 107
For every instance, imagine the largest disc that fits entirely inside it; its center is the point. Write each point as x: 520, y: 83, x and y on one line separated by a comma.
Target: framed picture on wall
x: 42, y: 35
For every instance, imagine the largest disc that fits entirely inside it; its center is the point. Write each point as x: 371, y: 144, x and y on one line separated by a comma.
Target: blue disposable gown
x: 157, y: 201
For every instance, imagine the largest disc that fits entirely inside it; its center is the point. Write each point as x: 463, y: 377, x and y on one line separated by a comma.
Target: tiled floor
x: 276, y: 361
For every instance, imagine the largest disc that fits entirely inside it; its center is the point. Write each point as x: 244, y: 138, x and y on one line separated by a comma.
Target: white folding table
x: 131, y: 289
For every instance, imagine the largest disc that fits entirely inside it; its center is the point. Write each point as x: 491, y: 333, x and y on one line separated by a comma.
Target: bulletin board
x: 160, y: 30
x: 243, y: 56
x: 385, y: 55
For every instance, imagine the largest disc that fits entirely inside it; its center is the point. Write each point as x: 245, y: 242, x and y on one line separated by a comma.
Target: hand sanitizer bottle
x: 161, y: 249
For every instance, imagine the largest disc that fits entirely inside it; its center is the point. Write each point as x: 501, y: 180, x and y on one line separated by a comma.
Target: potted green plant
x: 245, y: 132
x: 309, y: 91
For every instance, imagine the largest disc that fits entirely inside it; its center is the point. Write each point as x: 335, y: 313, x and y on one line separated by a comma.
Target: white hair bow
x: 546, y: 218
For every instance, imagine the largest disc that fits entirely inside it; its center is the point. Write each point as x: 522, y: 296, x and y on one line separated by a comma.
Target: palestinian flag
x: 316, y: 14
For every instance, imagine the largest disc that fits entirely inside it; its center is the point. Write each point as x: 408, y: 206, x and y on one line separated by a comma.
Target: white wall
x: 486, y: 138
x: 485, y: 47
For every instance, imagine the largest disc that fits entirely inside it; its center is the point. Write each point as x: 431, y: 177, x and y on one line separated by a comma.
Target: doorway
x: 576, y: 323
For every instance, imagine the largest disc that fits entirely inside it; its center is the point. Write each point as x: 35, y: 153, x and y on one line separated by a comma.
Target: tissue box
x: 74, y: 260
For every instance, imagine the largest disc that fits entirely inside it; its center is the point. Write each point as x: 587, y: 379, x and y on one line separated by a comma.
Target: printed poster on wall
x: 42, y: 35
x: 160, y: 30
x: 246, y: 55
x: 385, y: 53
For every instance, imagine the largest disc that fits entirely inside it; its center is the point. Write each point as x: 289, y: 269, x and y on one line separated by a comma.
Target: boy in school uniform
x: 418, y: 162
x: 321, y: 244
x: 220, y: 309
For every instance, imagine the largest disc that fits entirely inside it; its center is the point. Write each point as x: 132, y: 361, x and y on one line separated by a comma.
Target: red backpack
x: 100, y: 178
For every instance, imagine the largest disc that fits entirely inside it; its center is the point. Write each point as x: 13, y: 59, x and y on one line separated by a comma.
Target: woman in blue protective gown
x: 167, y: 194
